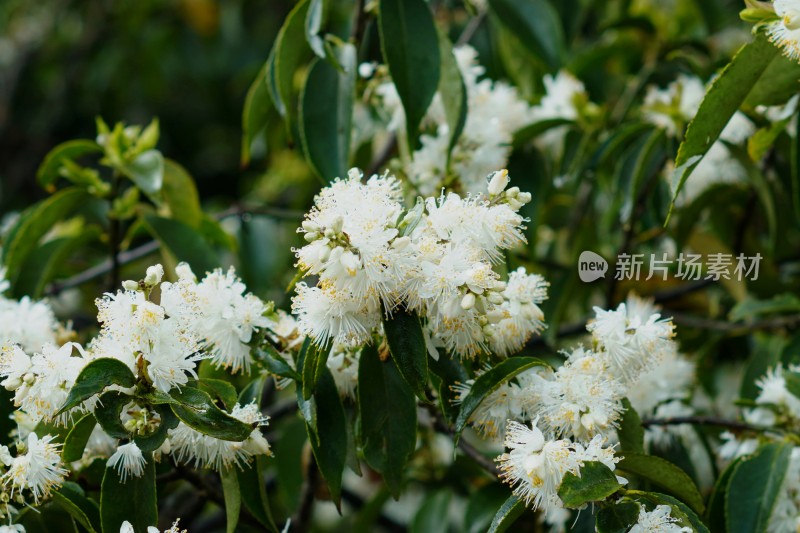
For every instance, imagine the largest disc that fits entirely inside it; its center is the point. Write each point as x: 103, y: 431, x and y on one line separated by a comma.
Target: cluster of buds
x: 498, y: 181
x: 152, y: 278
x: 141, y: 421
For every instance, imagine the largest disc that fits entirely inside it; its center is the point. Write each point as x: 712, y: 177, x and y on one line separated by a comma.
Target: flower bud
x: 311, y: 236
x: 310, y: 226
x: 498, y: 182
x: 154, y: 275
x: 401, y: 243
x: 355, y: 174
x: 351, y: 262
x: 12, y: 383
x: 525, y: 197
x: 338, y: 224
x: 184, y: 271
x: 468, y: 301
x: 324, y: 254
x: 28, y: 378
x: 494, y: 298
x: 130, y: 285
x: 512, y: 192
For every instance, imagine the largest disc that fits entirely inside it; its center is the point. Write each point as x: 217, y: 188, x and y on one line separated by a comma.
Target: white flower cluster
x: 35, y: 471
x: 785, y: 32
x: 495, y: 112
x: 535, y: 466
x: 659, y: 519
x: 672, y: 108
x: 26, y: 322
x: 372, y: 257
x: 127, y: 527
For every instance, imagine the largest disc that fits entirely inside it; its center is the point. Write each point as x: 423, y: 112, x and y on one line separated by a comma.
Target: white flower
x: 519, y: 317
x: 658, y: 521
x: 343, y: 364
x: 785, y: 33
x: 128, y: 461
x: 26, y: 322
x: 190, y: 446
x: 12, y: 528
x: 774, y: 391
x: 39, y: 470
x: 331, y: 314
x: 127, y: 527
x: 535, y: 467
x: 562, y: 99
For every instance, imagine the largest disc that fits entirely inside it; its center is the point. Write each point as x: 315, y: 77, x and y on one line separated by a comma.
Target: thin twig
x: 442, y: 427
x: 301, y: 521
x: 703, y: 421
x: 471, y: 28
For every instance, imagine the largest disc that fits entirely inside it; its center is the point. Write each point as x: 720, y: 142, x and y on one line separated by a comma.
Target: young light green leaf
x: 232, y: 496
x: 664, y: 474
x: 508, y: 513
x: 77, y: 438
x: 751, y: 307
x: 536, y: 25
x: 388, y: 417
x: 488, y: 382
x: 133, y: 500
x: 722, y: 100
x: 329, y: 441
x: 407, y: 346
x: 184, y: 242
x: 197, y: 410
x: 595, y: 483
x: 255, y: 113
x: 326, y: 114
x: 180, y: 194
x: 754, y: 488
x: 617, y: 518
x: 95, y: 377
x: 146, y: 171
x: 49, y: 169
x: 410, y: 47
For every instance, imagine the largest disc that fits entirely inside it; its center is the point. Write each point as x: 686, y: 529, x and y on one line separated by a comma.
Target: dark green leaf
x: 233, y: 497
x: 488, y: 382
x: 108, y: 411
x: 482, y: 506
x: 664, y: 474
x: 715, y: 512
x: 432, y: 516
x: 197, y: 410
x: 311, y: 359
x: 617, y: 518
x: 410, y: 47
x: 133, y: 500
x: 291, y: 52
x: 508, y: 513
x: 388, y: 417
x: 71, y: 498
x: 220, y: 389
x: 35, y: 222
x: 315, y: 18
x: 326, y: 114
x: 754, y: 487
x: 253, y: 391
x: 407, y: 345
x: 631, y: 432
x: 721, y: 101
x: 751, y: 307
x: 450, y: 372
x: 255, y: 113
x: 275, y: 363
x: 254, y: 493
x: 596, y: 483
x: 49, y: 169
x: 530, y: 132
x: 146, y: 171
x: 453, y: 92
x: 779, y: 82
x: 154, y: 440
x: 536, y: 24
x: 686, y: 517
x: 184, y: 242
x: 77, y: 438
x: 95, y: 377
x: 180, y: 194
x: 329, y: 441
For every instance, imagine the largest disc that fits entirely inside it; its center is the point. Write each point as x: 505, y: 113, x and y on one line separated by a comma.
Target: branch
x: 704, y: 421
x: 442, y: 427
x: 301, y: 521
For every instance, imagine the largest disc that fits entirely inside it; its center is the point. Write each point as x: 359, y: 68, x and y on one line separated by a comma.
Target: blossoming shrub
x: 433, y: 360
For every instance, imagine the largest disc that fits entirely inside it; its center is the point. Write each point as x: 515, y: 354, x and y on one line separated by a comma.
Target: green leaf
x: 254, y: 494
x: 197, y: 410
x: 255, y: 113
x: 326, y: 114
x: 72, y: 499
x: 482, y: 506
x: 95, y: 377
x: 313, y: 355
x: 275, y: 363
x: 530, y: 132
x: 664, y: 474
x: 77, y: 438
x: 407, y: 345
x: 631, y: 432
x: 180, y: 194
x: 153, y: 441
x: 410, y: 47
x: 715, y: 512
x: 432, y: 516
x: 751, y: 307
x: 453, y: 92
x: 48, y: 171
x: 595, y: 483
x: 722, y: 100
x: 488, y: 382
x: 233, y: 498
x: 762, y: 188
x: 779, y: 82
x: 686, y: 517
x: 508, y: 513
x: 108, y: 411
x: 329, y: 441
x: 133, y: 500
x: 536, y: 24
x: 315, y: 18
x: 221, y: 389
x: 792, y: 382
x: 146, y: 171
x: 754, y: 487
x: 388, y: 417
x: 291, y: 52
x: 617, y: 518
x: 184, y: 242
x: 35, y: 222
